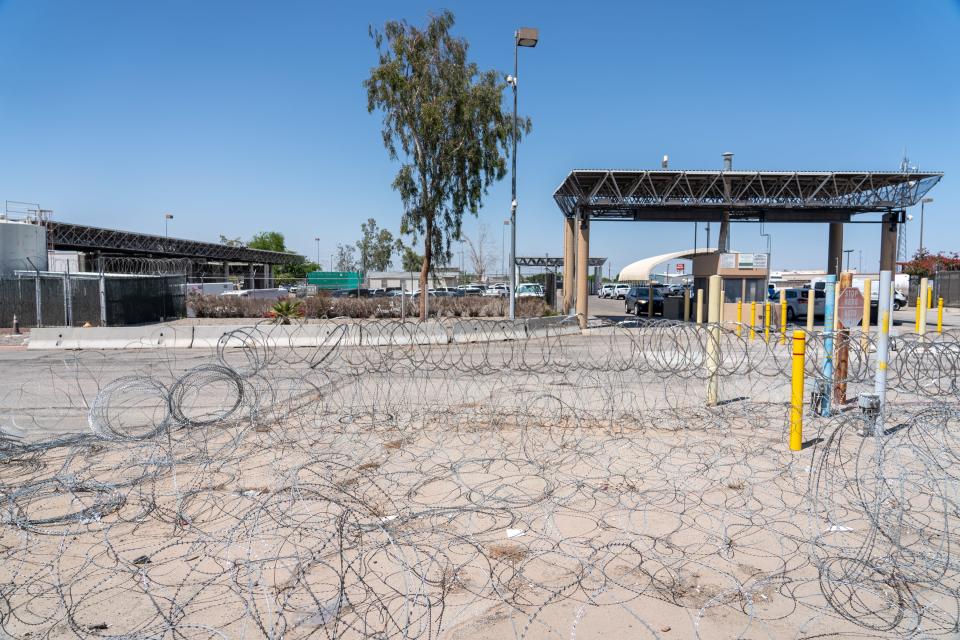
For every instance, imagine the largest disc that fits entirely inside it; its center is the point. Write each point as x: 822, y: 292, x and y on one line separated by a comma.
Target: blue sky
x: 241, y: 116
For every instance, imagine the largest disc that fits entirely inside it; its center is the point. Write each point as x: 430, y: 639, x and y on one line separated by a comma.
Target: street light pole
x: 318, y: 250
x: 167, y: 217
x: 923, y: 201
x: 503, y: 244
x: 523, y: 37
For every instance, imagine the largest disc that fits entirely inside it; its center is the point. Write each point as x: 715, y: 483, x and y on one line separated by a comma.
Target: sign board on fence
x: 850, y: 307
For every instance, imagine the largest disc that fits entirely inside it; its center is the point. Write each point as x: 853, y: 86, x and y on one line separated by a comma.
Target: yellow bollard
x: 939, y: 315
x: 930, y: 298
x: 699, y: 306
x: 783, y: 317
x: 753, y: 319
x: 916, y: 320
x: 796, y: 394
x: 739, y: 317
x: 811, y: 308
x: 865, y: 323
x: 766, y: 322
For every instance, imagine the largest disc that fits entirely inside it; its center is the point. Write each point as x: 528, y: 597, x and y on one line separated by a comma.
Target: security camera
x: 909, y: 217
x: 513, y: 205
x: 511, y: 80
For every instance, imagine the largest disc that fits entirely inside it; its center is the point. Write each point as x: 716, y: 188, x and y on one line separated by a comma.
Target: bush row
x: 204, y: 306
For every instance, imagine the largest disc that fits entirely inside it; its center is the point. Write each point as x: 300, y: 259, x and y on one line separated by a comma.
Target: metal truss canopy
x: 63, y: 235
x: 544, y: 261
x: 773, y: 196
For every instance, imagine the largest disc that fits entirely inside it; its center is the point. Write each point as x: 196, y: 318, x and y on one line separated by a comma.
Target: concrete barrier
x: 341, y: 333
x: 153, y: 337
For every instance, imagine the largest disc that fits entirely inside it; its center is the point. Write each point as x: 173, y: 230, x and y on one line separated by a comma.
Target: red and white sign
x: 680, y: 267
x: 850, y: 307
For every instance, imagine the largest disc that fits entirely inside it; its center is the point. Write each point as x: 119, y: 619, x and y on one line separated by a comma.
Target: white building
x: 410, y: 280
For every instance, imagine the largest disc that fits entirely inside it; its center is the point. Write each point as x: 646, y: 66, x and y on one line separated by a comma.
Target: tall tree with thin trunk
x: 444, y: 120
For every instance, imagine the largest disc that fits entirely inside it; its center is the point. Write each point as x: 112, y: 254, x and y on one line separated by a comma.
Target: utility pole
x: 848, y: 252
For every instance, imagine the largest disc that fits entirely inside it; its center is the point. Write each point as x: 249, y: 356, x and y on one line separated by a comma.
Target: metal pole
x: 922, y: 306
x: 827, y: 390
x: 883, y: 320
x: 513, y: 189
x: 922, y: 203
x: 713, y: 342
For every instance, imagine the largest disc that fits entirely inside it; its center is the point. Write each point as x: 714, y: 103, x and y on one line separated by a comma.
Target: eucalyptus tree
x: 444, y: 121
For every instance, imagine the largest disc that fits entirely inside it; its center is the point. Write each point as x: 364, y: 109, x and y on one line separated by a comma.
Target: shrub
x: 323, y: 306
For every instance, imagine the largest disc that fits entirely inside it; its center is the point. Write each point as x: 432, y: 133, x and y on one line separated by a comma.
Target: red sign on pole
x: 850, y: 307
x: 680, y: 267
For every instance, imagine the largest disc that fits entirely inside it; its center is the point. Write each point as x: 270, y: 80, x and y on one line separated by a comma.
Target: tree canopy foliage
x: 268, y: 241
x: 443, y: 119
x: 375, y: 247
x: 925, y: 264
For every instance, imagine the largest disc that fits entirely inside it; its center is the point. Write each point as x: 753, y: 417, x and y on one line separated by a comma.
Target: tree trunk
x: 425, y: 267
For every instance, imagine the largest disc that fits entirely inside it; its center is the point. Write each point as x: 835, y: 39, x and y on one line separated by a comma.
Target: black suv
x: 637, y: 297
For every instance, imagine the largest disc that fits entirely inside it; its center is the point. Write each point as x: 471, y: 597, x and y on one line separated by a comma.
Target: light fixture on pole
x: 923, y: 201
x: 167, y: 217
x: 523, y: 37
x: 318, y: 250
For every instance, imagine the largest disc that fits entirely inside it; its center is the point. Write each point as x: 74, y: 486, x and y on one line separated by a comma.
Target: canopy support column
x: 835, y: 250
x: 888, y: 242
x: 569, y: 224
x: 583, y: 259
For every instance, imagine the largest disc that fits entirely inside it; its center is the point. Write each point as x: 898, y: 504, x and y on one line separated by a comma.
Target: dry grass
x: 506, y: 552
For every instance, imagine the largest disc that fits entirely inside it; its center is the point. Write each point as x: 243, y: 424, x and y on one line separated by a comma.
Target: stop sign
x: 850, y: 307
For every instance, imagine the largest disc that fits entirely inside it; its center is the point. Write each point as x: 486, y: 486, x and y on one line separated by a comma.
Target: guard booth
x: 745, y: 277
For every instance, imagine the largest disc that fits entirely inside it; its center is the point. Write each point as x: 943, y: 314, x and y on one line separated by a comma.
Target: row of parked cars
x: 798, y: 301
x: 499, y: 290
x: 620, y: 291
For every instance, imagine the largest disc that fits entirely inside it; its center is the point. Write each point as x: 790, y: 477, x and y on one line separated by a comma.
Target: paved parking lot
x: 903, y: 320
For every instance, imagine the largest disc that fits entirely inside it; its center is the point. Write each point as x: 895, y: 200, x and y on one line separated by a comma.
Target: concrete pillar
x: 226, y: 270
x: 268, y: 277
x: 888, y: 243
x: 835, y: 249
x: 569, y: 224
x: 597, y: 277
x: 583, y: 254
x: 252, y: 283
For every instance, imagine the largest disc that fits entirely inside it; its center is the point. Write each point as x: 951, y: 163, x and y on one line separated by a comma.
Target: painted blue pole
x: 828, y: 322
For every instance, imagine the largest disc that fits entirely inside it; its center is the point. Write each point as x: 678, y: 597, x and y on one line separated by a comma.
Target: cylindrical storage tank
x: 20, y: 244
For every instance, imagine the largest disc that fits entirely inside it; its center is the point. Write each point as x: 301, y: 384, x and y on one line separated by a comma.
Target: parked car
x: 530, y: 290
x: 498, y: 290
x: 352, y: 293
x: 606, y: 291
x: 620, y: 291
x: 638, y: 298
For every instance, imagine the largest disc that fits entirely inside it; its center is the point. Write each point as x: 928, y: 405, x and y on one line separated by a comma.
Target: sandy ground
x: 573, y: 487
